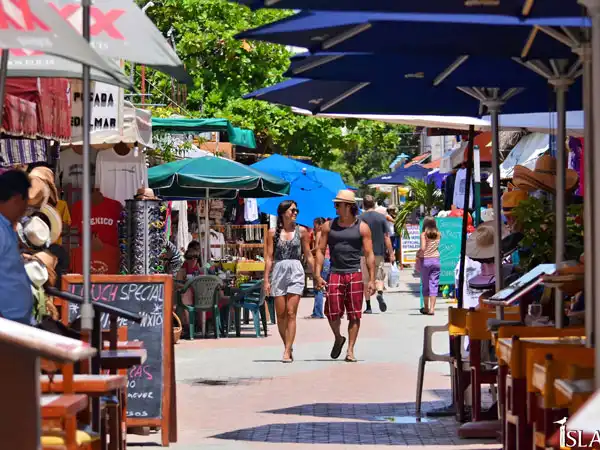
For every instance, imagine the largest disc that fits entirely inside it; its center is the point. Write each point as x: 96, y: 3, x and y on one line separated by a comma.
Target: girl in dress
x: 430, y: 264
x: 284, y: 273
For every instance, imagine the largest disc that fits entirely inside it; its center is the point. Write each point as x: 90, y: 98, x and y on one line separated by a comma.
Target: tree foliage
x: 224, y: 69
x: 421, y: 194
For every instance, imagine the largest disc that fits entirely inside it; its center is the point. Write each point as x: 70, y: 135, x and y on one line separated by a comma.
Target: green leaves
x: 421, y: 194
x: 536, y: 220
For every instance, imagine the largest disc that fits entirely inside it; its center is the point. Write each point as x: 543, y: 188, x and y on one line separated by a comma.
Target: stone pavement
x: 235, y: 394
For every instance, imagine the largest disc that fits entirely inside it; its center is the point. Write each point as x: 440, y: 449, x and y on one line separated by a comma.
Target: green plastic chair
x: 206, y: 298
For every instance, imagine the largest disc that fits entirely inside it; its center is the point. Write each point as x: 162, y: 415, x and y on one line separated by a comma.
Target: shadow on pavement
x: 353, y: 433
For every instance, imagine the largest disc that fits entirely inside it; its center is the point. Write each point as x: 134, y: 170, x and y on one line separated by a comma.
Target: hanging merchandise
x: 143, y: 236
x: 103, y: 220
x: 460, y: 185
x: 120, y: 175
x: 250, y: 210
x: 22, y: 151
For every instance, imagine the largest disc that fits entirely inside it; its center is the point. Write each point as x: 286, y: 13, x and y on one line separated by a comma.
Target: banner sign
x: 410, y: 245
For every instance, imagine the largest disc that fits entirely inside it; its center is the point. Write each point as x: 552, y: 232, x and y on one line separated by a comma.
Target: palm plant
x: 421, y: 194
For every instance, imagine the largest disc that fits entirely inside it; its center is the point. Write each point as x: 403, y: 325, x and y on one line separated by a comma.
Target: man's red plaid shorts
x: 344, y: 293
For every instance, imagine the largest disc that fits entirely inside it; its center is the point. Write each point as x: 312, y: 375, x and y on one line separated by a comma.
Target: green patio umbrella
x: 213, y: 177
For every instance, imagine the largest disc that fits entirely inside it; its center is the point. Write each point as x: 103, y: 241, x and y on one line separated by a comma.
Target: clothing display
x: 183, y: 235
x: 104, y: 261
x: 250, y: 210
x: 65, y: 215
x: 449, y: 191
x: 217, y: 244
x: 104, y: 217
x: 70, y: 168
x: 120, y: 176
x: 460, y: 187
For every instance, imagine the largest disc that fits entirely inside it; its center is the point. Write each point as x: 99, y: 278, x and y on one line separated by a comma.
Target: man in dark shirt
x: 380, y: 233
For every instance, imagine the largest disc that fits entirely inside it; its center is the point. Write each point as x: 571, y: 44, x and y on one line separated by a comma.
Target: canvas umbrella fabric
x: 344, y: 32
x: 312, y: 188
x: 399, y: 176
x: 121, y: 30
x: 213, y: 177
x: 517, y: 8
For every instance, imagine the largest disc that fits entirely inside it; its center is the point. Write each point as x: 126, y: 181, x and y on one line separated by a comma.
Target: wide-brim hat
x: 46, y: 176
x: 345, y: 196
x: 49, y: 261
x: 34, y: 233
x: 36, y: 272
x: 543, y: 176
x: 54, y: 220
x: 511, y: 199
x: 39, y: 193
x: 480, y: 244
x: 145, y: 194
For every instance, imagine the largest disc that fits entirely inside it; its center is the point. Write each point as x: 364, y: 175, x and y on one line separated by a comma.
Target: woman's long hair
x: 281, y: 209
x: 430, y: 228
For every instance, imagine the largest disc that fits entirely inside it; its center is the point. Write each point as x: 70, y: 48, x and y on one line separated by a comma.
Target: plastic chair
x: 251, y: 297
x: 206, y: 298
x: 429, y: 356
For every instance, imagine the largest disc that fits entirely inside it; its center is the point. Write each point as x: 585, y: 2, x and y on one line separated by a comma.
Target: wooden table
x: 60, y: 406
x: 86, y: 384
x: 505, y: 345
x: 122, y: 359
x: 573, y: 392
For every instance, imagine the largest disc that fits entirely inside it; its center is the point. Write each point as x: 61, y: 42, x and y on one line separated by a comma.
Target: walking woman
x: 284, y: 274
x: 430, y: 266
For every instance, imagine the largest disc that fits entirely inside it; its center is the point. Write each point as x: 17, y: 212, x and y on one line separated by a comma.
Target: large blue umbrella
x: 539, y: 8
x: 406, y: 96
x: 430, y: 33
x: 399, y: 176
x: 312, y: 188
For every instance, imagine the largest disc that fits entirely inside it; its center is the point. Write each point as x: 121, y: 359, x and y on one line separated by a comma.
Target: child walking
x: 430, y: 264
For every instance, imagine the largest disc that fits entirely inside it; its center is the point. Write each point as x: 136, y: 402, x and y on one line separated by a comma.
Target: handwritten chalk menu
x: 149, y: 387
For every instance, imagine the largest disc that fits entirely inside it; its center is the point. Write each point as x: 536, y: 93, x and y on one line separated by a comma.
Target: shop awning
x: 457, y: 157
x: 237, y: 136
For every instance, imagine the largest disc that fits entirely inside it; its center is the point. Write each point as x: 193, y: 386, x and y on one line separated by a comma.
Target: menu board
x: 148, y: 390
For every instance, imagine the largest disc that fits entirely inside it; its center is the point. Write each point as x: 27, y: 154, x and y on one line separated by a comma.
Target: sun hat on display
x: 543, y: 176
x: 511, y: 199
x: 34, y: 233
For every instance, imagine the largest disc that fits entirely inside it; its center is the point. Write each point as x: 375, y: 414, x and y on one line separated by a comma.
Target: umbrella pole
x: 3, y: 73
x: 588, y: 210
x: 561, y: 168
x: 199, y: 223
x: 494, y: 108
x: 206, y: 224
x: 465, y: 218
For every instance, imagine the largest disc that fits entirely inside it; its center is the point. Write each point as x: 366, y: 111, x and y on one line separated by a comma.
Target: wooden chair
x: 457, y: 330
x: 544, y: 367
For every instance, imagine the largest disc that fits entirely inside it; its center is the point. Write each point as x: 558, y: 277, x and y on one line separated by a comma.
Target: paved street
x: 235, y: 394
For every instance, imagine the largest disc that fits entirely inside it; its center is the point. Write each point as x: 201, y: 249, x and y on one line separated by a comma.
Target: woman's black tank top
x: 345, y: 247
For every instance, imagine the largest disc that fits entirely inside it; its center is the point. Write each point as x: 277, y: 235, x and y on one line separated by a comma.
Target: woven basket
x: 177, y: 328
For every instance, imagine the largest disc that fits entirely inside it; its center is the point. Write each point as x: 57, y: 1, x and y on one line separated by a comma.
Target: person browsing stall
x: 16, y: 301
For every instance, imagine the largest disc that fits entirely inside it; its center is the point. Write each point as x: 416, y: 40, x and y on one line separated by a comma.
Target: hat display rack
x: 142, y: 237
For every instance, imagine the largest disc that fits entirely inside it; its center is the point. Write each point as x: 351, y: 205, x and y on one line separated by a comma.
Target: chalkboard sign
x: 149, y: 386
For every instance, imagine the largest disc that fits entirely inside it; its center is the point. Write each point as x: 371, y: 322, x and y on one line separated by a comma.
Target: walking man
x: 348, y: 238
x: 380, y: 233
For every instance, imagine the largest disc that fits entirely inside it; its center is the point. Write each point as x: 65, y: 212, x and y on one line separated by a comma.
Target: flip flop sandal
x: 287, y: 361
x: 423, y: 311
x: 336, y: 351
x: 351, y: 360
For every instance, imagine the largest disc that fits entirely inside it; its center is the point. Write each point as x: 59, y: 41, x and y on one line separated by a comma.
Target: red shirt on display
x: 104, y: 220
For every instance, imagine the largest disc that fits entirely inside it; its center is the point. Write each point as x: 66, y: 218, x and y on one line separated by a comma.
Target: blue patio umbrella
x: 405, y: 96
x: 517, y: 8
x: 285, y: 167
x: 399, y: 176
x: 312, y: 188
x: 441, y: 34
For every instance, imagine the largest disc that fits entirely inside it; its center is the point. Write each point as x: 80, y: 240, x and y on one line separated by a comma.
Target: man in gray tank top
x: 348, y: 239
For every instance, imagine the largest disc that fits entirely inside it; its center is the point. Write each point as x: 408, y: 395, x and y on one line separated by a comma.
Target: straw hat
x: 487, y: 215
x: 511, y: 199
x: 37, y: 273
x: 34, y: 233
x: 543, y: 176
x: 46, y: 176
x: 55, y: 221
x: 49, y: 261
x: 480, y: 244
x: 345, y: 196
x: 145, y: 194
x: 39, y: 193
